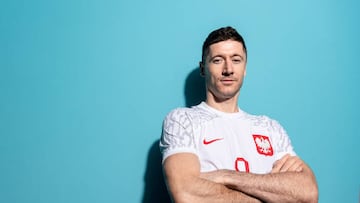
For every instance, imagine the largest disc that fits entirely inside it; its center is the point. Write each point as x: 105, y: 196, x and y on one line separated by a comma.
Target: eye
x: 217, y: 60
x: 237, y: 60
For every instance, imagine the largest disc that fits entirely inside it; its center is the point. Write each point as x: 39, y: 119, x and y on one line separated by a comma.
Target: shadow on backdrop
x: 194, y: 88
x: 155, y: 189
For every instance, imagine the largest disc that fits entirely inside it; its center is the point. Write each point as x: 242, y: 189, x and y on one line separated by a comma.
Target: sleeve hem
x: 168, y: 153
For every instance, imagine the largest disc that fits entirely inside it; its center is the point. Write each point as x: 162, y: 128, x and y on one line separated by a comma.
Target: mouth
x: 227, y: 81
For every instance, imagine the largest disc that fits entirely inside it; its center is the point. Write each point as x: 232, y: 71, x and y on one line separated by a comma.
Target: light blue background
x: 84, y: 86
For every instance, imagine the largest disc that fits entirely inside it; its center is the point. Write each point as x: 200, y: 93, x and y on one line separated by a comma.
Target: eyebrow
x: 222, y: 56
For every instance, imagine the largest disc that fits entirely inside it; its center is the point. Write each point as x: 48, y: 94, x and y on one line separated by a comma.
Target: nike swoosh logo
x: 206, y: 142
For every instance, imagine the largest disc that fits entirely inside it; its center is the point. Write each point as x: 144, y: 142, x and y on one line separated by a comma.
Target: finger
x: 288, y: 164
x: 279, y: 164
x: 292, y: 164
x: 297, y: 166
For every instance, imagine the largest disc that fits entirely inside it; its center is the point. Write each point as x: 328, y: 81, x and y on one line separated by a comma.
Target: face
x: 224, y: 69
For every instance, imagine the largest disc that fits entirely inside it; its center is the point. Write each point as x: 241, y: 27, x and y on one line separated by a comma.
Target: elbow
x: 182, y: 197
x: 312, y: 195
x: 180, y: 193
x: 311, y: 192
x: 178, y: 198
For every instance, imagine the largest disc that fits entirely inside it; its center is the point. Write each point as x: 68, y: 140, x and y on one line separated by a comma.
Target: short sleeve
x: 282, y: 141
x: 177, y: 134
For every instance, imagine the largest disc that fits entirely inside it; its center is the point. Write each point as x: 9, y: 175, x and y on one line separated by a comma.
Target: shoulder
x: 177, y: 114
x: 178, y: 117
x: 263, y: 121
x: 193, y: 114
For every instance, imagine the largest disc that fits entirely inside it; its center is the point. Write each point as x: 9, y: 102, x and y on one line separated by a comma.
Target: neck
x: 225, y: 105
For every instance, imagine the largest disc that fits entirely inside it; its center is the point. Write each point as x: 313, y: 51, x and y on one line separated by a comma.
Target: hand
x: 288, y: 163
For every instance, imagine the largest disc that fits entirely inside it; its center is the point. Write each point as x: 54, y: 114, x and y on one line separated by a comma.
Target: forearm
x: 203, y: 191
x: 274, y: 187
x: 185, y: 184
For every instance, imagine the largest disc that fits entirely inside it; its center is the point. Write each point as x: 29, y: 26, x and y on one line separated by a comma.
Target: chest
x: 235, y: 145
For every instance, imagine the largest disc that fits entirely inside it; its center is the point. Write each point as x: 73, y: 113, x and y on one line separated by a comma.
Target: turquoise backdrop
x: 85, y: 85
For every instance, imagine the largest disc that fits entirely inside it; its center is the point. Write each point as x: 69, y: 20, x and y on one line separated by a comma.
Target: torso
x: 235, y: 141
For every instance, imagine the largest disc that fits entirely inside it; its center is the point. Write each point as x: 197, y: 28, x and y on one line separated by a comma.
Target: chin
x: 227, y: 95
x: 224, y: 93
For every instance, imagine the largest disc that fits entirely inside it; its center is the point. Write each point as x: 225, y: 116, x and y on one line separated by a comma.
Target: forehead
x: 228, y: 47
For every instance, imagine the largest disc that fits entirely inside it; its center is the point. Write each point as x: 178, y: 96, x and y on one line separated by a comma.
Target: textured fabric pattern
x: 236, y: 141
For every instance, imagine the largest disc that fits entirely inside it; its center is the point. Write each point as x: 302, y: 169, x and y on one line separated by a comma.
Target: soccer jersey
x: 236, y: 141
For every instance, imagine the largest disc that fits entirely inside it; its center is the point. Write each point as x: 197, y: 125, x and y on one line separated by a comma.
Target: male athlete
x: 215, y: 152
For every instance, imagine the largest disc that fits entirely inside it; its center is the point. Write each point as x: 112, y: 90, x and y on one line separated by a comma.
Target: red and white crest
x: 263, y: 145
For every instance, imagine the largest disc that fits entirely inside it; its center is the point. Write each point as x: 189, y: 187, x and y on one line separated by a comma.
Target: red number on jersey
x: 241, y: 165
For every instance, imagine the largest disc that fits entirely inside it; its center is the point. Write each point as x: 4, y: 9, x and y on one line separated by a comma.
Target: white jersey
x: 235, y: 141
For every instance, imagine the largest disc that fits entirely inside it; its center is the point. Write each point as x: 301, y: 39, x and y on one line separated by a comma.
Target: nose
x: 228, y: 68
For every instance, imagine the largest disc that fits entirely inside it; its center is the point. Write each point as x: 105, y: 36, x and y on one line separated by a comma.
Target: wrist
x: 234, y: 179
x: 228, y: 177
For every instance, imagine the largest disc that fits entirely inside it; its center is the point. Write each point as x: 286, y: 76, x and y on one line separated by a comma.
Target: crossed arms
x: 290, y: 180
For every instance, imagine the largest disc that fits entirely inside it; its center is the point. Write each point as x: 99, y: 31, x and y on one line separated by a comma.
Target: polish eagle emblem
x: 263, y: 145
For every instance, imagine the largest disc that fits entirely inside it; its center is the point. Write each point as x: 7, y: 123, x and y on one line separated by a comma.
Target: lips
x: 227, y: 80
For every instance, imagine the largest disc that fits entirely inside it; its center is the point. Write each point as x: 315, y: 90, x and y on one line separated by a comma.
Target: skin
x: 290, y: 180
x: 224, y: 70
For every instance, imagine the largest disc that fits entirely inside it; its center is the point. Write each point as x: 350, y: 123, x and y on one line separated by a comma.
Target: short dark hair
x: 221, y: 34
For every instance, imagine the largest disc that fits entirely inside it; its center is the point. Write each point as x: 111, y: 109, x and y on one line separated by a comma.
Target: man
x: 215, y: 152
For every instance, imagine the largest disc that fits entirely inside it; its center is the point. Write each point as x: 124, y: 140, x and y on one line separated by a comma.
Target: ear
x: 202, y: 68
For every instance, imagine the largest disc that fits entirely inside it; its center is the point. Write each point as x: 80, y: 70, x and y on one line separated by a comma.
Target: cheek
x: 208, y: 79
x: 211, y: 78
x: 214, y: 72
